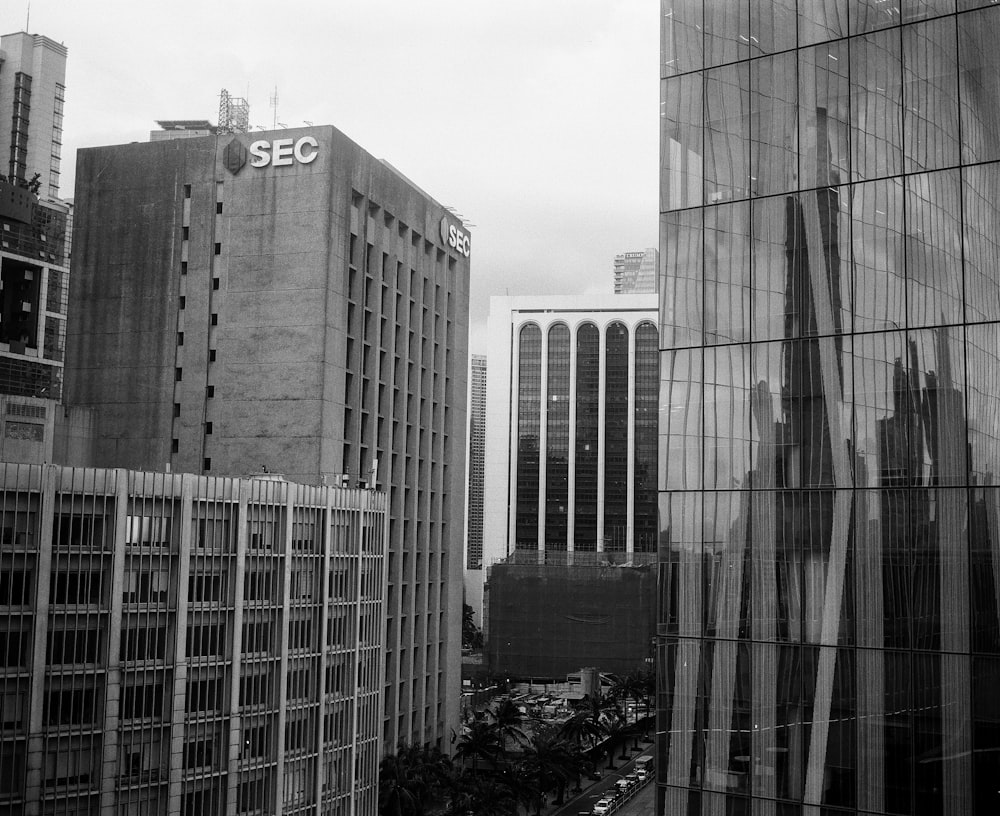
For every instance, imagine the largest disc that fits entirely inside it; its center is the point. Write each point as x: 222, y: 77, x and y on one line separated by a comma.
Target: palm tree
x: 551, y: 760
x: 481, y: 796
x: 523, y: 784
x: 507, y: 719
x: 412, y: 778
x: 480, y: 741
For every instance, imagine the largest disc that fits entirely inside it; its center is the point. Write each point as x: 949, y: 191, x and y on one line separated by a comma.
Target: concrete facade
x: 188, y: 645
x: 307, y: 317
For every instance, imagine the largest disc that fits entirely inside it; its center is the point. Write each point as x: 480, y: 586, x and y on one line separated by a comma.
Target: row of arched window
x: 589, y: 511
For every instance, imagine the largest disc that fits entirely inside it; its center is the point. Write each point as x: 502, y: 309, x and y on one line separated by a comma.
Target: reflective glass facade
x: 829, y: 432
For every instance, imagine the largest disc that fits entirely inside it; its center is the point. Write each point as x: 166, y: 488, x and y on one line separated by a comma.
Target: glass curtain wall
x: 829, y: 503
x: 529, y: 398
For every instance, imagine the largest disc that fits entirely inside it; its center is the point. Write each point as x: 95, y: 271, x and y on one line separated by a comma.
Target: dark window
x: 218, y: 206
x: 528, y: 428
x: 210, y: 391
x: 181, y: 301
x: 215, y: 320
x: 72, y: 588
x: 218, y: 249
x: 73, y: 646
x: 177, y: 409
x: 187, y: 191
x: 185, y: 233
x: 14, y: 587
x: 178, y: 374
x: 208, y: 427
x: 142, y: 701
x: 616, y: 438
x: 175, y: 446
x: 207, y: 463
x: 184, y: 267
x: 211, y: 355
x: 557, y: 440
x: 180, y: 338
x: 587, y: 407
x: 143, y: 643
x: 215, y: 283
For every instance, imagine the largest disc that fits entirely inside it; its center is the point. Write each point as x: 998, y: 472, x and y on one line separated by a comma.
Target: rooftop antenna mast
x: 274, y: 106
x: 234, y: 113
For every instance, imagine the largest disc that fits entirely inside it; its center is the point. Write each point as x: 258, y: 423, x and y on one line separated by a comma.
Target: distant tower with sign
x: 291, y: 303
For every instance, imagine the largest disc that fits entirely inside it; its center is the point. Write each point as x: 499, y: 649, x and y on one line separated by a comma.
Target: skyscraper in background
x: 474, y: 500
x: 636, y: 272
x: 32, y: 94
x: 829, y: 627
x: 35, y: 226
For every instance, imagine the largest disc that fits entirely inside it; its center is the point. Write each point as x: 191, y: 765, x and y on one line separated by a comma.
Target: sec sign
x: 283, y: 152
x: 455, y: 238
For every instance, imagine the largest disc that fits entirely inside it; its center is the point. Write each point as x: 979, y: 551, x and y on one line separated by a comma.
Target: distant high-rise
x: 32, y: 93
x: 474, y: 502
x: 34, y: 223
x: 636, y: 272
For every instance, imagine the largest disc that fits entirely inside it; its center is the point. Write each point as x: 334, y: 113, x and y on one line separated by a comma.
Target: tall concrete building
x: 34, y: 223
x: 474, y: 489
x: 188, y: 645
x: 286, y: 302
x: 829, y: 632
x: 637, y: 272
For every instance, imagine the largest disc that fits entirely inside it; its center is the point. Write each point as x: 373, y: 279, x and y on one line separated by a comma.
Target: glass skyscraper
x: 829, y: 627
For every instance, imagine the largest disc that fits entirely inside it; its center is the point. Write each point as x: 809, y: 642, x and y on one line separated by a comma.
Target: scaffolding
x: 234, y: 113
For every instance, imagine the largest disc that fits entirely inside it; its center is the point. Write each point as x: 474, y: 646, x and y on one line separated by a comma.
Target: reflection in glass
x: 876, y: 104
x: 773, y: 128
x: 930, y: 95
x: 727, y: 128
x: 824, y: 115
x: 830, y: 486
x: 681, y: 26
x: 933, y: 248
x: 727, y: 273
x: 529, y: 398
x: 878, y: 255
x: 557, y: 439
x: 681, y: 292
x: 681, y: 147
x: 588, y: 381
x: 979, y: 86
x: 981, y: 237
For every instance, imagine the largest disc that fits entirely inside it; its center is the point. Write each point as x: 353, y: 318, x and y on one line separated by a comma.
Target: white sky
x: 535, y: 119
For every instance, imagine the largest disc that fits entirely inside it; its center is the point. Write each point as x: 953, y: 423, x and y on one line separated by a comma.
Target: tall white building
x: 32, y: 93
x: 571, y: 425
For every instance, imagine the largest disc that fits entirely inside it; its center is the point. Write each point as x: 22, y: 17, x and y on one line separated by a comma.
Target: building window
x: 178, y: 374
x: 215, y: 319
x: 215, y: 283
x: 187, y: 191
x: 207, y: 463
x: 180, y: 338
x: 528, y: 430
x: 182, y: 301
x: 588, y: 373
x: 210, y: 391
x: 557, y: 440
x: 218, y: 207
x: 218, y: 249
x: 208, y: 427
x: 185, y: 233
x: 616, y: 438
x: 211, y: 355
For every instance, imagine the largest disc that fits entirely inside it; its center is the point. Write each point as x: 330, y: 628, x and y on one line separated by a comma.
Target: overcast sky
x: 535, y: 119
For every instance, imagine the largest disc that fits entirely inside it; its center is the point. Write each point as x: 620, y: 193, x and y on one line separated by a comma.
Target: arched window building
x: 571, y: 448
